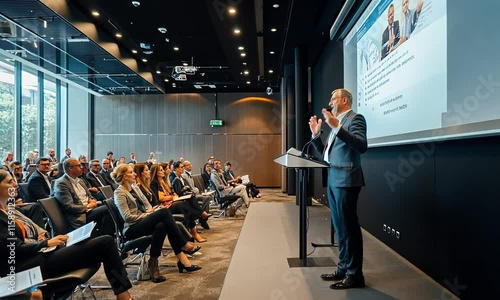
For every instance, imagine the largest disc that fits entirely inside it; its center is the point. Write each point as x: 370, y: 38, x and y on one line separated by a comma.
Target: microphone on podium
x: 305, y: 149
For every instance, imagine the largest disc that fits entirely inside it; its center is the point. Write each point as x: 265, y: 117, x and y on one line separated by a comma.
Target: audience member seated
x: 94, y: 191
x: 30, y: 160
x: 225, y: 189
x: 141, y: 220
x: 8, y: 158
x: 17, y: 170
x: 52, y: 157
x: 105, y: 172
x: 29, y: 240
x: 160, y: 187
x: 143, y: 180
x: 76, y: 201
x: 183, y: 185
x: 93, y: 176
x: 39, y: 182
x: 252, y: 190
x: 205, y: 174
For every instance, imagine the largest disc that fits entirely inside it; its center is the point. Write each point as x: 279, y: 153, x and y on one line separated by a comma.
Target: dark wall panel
x: 177, y: 125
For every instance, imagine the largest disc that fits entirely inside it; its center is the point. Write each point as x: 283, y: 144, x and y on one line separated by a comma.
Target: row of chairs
x: 66, y: 284
x: 223, y: 202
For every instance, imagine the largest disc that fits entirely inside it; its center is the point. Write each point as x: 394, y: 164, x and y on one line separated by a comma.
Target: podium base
x: 295, y: 262
x: 323, y: 245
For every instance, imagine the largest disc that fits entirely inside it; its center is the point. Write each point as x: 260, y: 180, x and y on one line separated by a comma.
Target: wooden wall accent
x: 176, y: 125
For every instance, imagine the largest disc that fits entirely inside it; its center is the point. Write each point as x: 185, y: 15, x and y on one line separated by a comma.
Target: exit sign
x: 215, y: 123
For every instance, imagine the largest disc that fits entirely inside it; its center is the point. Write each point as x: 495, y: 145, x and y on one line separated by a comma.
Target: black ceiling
x: 201, y: 29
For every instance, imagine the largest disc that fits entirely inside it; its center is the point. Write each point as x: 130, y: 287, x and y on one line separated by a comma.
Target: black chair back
x: 125, y: 245
x: 57, y: 220
x: 199, y: 183
x: 107, y: 191
x: 223, y: 201
x: 23, y: 186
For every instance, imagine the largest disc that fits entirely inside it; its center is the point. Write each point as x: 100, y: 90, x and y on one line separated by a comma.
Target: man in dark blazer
x: 106, y: 173
x: 345, y: 144
x: 391, y: 34
x: 39, y: 182
x: 76, y: 201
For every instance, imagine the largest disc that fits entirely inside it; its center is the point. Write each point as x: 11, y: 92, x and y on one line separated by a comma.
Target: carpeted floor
x: 216, y: 254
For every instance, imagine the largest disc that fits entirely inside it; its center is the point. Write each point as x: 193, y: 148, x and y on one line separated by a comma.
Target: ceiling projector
x: 190, y: 70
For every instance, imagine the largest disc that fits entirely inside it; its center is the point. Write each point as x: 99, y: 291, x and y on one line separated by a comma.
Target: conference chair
x: 224, y: 202
x: 107, y: 191
x: 64, y: 286
x: 59, y: 225
x: 24, y: 190
x: 57, y: 220
x: 137, y: 246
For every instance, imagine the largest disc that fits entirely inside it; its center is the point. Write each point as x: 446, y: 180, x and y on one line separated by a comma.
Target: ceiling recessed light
x: 271, y: 71
x: 248, y: 82
x: 118, y: 35
x: 162, y: 29
x: 134, y: 51
x: 241, y: 48
x: 271, y: 52
x: 243, y: 54
x: 232, y: 10
x: 246, y: 72
x: 167, y: 40
x: 244, y: 63
x: 166, y: 80
x: 237, y: 31
x: 273, y: 29
x: 144, y: 60
x: 276, y: 5
x: 176, y: 48
x: 158, y: 72
x: 95, y: 13
x: 184, y: 64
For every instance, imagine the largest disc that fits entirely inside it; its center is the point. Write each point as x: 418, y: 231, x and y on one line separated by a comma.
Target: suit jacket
x: 74, y: 210
x: 385, y: 39
x: 127, y: 205
x: 37, y: 187
x: 218, y: 181
x: 229, y: 175
x: 189, y: 179
x: 345, y: 153
x: 91, y: 178
x: 180, y: 187
x: 107, y: 177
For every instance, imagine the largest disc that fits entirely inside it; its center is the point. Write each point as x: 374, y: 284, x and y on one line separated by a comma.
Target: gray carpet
x: 216, y: 255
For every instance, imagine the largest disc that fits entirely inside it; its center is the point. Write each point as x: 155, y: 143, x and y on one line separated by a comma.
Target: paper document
x: 21, y: 281
x: 294, y: 151
x: 177, y: 198
x: 80, y: 234
x: 207, y: 193
x: 245, y: 179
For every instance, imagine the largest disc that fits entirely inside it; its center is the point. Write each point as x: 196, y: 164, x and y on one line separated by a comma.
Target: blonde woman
x: 141, y: 220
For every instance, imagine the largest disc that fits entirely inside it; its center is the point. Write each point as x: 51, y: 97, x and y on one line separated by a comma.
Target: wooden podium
x: 293, y: 158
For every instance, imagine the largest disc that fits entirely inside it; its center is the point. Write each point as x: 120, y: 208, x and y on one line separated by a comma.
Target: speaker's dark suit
x: 37, y: 187
x: 345, y: 179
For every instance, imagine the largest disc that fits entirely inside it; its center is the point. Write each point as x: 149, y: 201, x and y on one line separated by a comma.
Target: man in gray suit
x: 346, y: 142
x: 76, y: 201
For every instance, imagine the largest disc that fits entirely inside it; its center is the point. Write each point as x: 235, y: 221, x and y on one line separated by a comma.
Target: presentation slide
x: 400, y: 61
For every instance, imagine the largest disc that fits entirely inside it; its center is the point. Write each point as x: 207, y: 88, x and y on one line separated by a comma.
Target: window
x: 7, y: 113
